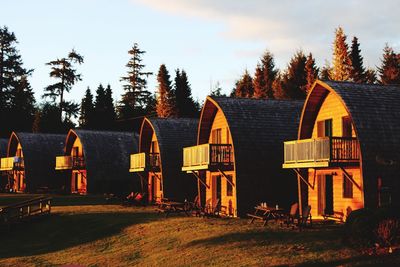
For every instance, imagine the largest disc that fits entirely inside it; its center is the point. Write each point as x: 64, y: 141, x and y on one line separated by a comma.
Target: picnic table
x: 265, y: 213
x: 168, y: 207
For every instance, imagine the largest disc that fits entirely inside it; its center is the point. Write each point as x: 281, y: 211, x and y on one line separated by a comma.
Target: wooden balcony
x: 208, y: 157
x: 321, y: 152
x: 12, y: 163
x: 145, y: 162
x: 70, y: 163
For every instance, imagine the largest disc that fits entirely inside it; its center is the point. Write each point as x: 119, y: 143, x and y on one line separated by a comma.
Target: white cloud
x: 287, y: 25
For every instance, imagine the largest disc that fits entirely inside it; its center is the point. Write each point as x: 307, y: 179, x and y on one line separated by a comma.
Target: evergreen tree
x: 311, y: 72
x: 136, y: 99
x: 341, y: 70
x: 244, y: 86
x: 264, y: 76
x: 216, y: 90
x: 16, y: 97
x: 279, y: 92
x: 87, y: 111
x: 389, y: 71
x: 185, y: 105
x: 370, y: 76
x: 294, y: 81
x: 110, y: 114
x: 357, y: 73
x: 47, y: 119
x: 64, y: 71
x: 166, y: 99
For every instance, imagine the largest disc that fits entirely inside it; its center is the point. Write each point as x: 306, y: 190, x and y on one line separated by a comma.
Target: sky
x: 214, y: 41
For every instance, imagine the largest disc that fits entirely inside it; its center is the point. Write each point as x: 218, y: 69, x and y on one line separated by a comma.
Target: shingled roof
x: 3, y: 147
x: 258, y: 129
x: 107, y: 158
x: 173, y: 134
x: 375, y: 112
x: 39, y: 152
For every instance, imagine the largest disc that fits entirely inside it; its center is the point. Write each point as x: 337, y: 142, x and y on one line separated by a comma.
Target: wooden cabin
x: 347, y: 155
x: 97, y: 161
x: 160, y: 159
x: 237, y: 157
x: 29, y: 164
x: 3, y: 175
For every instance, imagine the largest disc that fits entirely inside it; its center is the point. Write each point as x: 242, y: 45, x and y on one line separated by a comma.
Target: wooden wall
x: 153, y: 181
x: 79, y: 186
x: 220, y: 122
x: 19, y: 175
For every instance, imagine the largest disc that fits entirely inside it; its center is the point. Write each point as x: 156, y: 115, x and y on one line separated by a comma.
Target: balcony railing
x: 11, y: 163
x: 142, y: 161
x: 70, y: 163
x: 207, y: 156
x: 321, y: 152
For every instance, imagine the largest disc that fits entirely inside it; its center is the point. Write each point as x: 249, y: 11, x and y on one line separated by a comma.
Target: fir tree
x: 217, y: 90
x: 166, y: 100
x: 110, y: 114
x: 389, y: 71
x: 341, y: 70
x: 16, y: 97
x: 259, y: 83
x: 47, y: 119
x: 370, y: 76
x: 244, y: 86
x: 357, y: 73
x: 311, y: 72
x: 294, y: 81
x: 279, y: 92
x: 136, y: 98
x: 185, y: 105
x: 64, y: 71
x: 326, y: 72
x: 87, y: 111
x: 263, y: 85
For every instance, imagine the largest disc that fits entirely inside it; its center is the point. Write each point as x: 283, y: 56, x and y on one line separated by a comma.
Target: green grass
x: 112, y: 235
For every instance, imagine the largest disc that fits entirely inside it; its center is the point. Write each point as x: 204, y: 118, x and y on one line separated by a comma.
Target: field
x: 89, y: 231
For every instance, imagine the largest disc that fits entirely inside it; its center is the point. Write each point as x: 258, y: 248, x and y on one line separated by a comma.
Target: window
x: 347, y: 187
x: 216, y: 136
x: 346, y: 127
x: 229, y: 187
x: 324, y: 128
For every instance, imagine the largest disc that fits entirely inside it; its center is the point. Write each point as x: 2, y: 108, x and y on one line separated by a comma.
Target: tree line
x: 20, y: 111
x: 297, y: 79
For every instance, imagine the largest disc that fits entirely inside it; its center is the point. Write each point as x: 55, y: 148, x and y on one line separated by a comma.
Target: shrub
x: 387, y: 232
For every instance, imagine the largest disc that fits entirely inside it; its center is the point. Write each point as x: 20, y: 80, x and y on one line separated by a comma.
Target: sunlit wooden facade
x: 160, y: 158
x: 236, y: 160
x: 97, y: 161
x: 3, y: 154
x: 29, y: 162
x: 346, y: 147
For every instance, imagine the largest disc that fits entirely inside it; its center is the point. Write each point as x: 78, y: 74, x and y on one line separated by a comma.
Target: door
x: 325, y: 194
x: 324, y: 128
x: 216, y: 188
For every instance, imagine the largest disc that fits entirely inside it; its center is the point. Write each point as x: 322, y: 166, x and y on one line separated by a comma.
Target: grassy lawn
x: 93, y: 233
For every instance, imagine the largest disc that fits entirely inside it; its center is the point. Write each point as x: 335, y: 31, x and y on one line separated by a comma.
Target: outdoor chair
x: 211, y: 210
x: 289, y: 218
x: 304, y: 218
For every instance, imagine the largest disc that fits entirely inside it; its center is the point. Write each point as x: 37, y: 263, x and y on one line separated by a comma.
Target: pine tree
x: 341, y: 70
x: 47, y: 119
x: 16, y: 97
x: 244, y: 86
x: 279, y: 92
x: 264, y: 76
x: 259, y: 83
x: 294, y: 80
x: 136, y: 98
x: 87, y: 111
x: 185, y: 105
x: 64, y: 71
x: 357, y: 73
x: 326, y: 72
x: 311, y: 72
x: 110, y: 114
x: 217, y: 90
x: 370, y: 76
x: 166, y: 99
x: 389, y: 71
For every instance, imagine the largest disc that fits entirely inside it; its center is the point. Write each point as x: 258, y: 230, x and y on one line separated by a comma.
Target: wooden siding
x: 78, y: 177
x: 220, y: 122
x: 18, y: 175
x: 340, y: 204
x: 155, y: 179
x: 332, y: 108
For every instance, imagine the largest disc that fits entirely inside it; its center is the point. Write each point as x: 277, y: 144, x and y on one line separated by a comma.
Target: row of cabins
x: 338, y: 151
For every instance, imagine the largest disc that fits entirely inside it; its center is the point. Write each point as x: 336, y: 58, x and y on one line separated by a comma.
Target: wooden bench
x: 337, y: 215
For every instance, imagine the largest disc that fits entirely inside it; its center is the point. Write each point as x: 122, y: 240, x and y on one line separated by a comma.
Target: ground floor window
x: 347, y: 187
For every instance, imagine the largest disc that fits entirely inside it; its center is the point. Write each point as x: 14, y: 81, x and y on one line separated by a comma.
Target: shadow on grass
x: 58, y: 232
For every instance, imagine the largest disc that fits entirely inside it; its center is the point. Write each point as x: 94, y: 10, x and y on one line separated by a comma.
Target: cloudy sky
x: 214, y: 41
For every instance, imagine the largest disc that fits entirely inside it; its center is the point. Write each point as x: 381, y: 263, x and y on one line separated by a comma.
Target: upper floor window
x: 346, y: 127
x: 324, y: 128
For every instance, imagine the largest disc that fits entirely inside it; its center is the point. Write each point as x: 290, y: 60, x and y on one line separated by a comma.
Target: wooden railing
x: 326, y: 149
x: 138, y: 162
x: 69, y: 162
x: 19, y: 211
x: 207, y: 154
x: 11, y: 163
